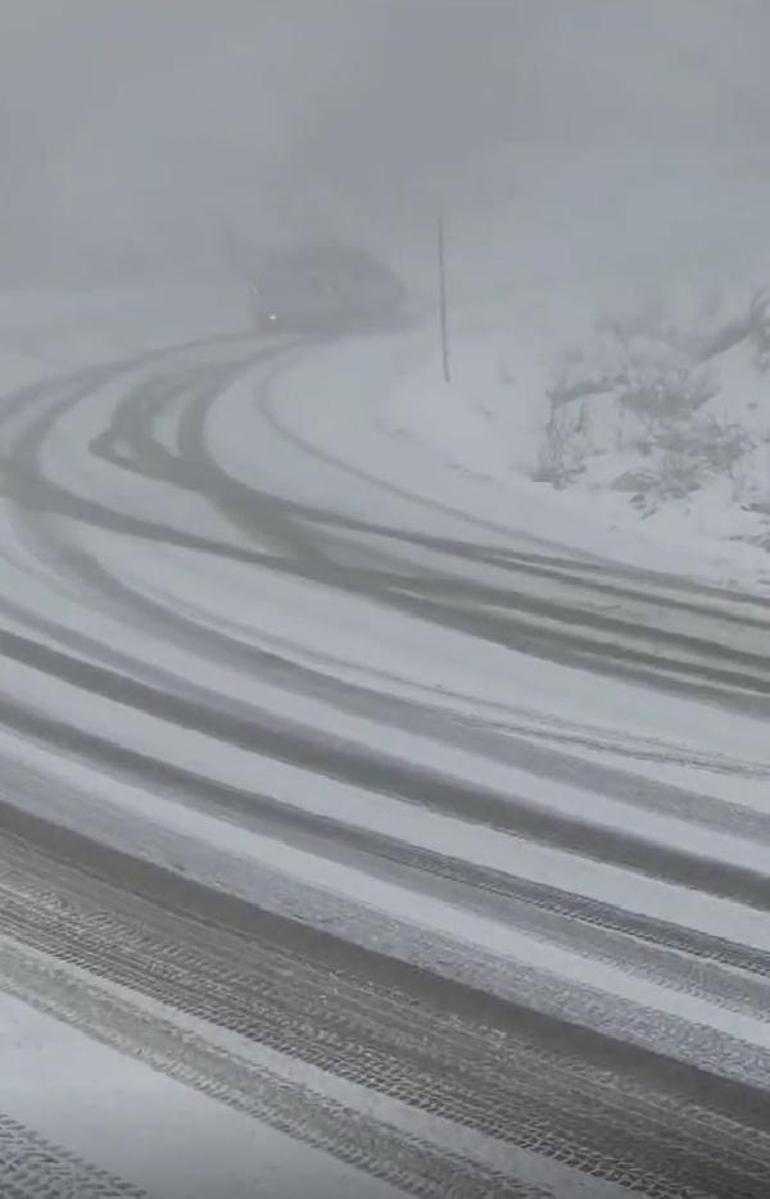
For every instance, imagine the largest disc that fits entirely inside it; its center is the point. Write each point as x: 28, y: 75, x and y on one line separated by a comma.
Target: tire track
x: 33, y: 1168
x: 460, y: 1071
x: 608, y: 1107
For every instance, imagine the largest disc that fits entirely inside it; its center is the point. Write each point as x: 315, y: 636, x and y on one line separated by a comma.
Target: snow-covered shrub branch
x: 661, y: 409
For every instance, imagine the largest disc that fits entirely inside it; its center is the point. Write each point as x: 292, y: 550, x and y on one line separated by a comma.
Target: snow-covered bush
x: 663, y: 398
x: 562, y: 454
x: 674, y: 477
x: 759, y: 332
x: 661, y: 408
x: 715, y: 446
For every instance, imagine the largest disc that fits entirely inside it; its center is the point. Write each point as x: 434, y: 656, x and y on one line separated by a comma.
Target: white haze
x: 599, y: 143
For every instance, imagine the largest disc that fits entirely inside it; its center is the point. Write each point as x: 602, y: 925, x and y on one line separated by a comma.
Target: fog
x: 563, y: 138
x: 384, y: 599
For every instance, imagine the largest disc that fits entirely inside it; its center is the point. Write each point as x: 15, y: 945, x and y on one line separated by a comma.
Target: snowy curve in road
x: 437, y: 849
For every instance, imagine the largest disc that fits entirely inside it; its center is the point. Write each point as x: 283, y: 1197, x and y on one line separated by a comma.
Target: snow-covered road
x: 375, y: 820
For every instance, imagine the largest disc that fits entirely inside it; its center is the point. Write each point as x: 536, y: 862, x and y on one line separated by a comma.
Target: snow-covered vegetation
x: 668, y: 412
x: 643, y: 434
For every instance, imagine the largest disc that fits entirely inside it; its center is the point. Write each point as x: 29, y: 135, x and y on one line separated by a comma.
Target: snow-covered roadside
x: 476, y: 446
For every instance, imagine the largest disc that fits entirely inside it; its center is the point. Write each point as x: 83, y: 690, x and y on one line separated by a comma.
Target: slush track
x: 124, y: 678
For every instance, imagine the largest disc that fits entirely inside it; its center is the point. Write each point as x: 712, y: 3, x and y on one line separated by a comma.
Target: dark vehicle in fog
x: 327, y: 288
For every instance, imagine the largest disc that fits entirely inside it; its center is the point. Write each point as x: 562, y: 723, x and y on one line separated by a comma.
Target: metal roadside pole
x: 442, y: 300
